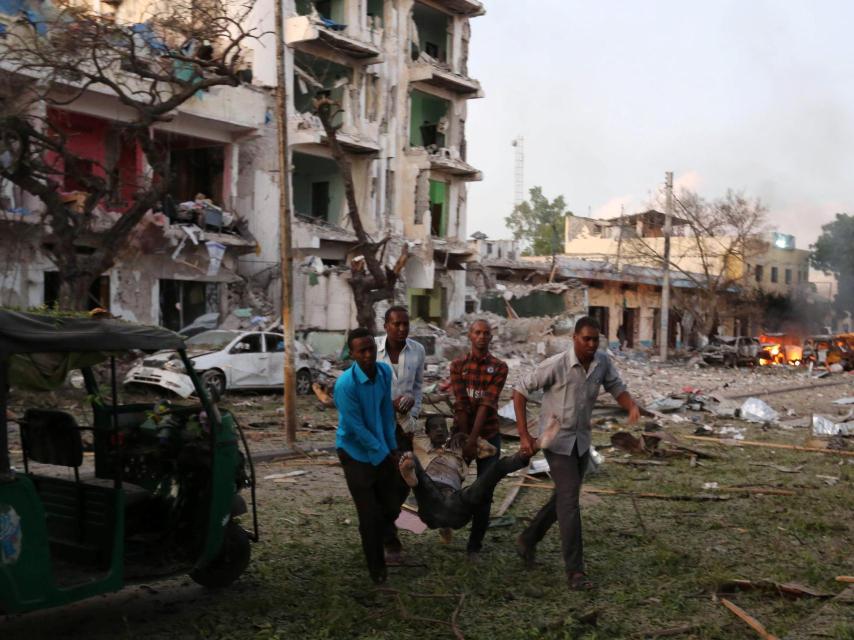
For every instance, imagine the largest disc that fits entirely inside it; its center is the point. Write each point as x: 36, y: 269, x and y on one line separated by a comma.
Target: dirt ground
x: 660, y: 562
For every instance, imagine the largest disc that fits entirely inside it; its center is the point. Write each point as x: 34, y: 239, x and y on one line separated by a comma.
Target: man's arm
x: 626, y: 401
x: 418, y: 383
x: 489, y: 400
x: 350, y: 417
x: 461, y: 399
x: 540, y: 378
x: 387, y: 409
x: 520, y: 406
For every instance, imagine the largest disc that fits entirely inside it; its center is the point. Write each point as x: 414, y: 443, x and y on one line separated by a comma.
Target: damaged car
x: 732, y: 351
x: 228, y: 360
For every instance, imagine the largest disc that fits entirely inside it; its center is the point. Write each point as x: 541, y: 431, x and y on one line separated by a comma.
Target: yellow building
x: 773, y: 264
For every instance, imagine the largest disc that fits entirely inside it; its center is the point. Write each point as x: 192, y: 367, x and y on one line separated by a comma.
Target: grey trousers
x: 563, y: 507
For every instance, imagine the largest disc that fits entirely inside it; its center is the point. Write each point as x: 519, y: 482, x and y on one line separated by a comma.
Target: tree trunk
x: 74, y: 292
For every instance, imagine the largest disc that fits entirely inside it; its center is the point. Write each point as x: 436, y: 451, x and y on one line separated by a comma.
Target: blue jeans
x: 480, y: 520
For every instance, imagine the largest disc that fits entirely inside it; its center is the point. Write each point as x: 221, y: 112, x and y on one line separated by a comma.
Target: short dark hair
x: 587, y: 321
x: 357, y: 333
x: 434, y: 421
x: 395, y: 309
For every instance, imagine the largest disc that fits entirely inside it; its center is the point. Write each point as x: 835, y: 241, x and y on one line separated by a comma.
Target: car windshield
x: 211, y: 339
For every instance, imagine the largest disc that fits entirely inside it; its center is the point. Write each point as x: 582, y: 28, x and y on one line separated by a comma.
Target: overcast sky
x: 752, y: 95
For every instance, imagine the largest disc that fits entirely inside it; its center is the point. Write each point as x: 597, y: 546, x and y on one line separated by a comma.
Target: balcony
x: 448, y: 161
x: 309, y: 33
x: 430, y: 71
x: 305, y: 128
x: 470, y: 8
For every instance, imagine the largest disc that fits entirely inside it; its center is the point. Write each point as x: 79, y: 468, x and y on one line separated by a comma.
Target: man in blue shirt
x: 367, y: 446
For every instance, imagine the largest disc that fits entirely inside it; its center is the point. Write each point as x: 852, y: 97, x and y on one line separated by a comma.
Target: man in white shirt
x: 406, y: 359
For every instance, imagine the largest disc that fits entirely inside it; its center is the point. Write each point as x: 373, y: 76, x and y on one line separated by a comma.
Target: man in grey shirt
x: 571, y: 382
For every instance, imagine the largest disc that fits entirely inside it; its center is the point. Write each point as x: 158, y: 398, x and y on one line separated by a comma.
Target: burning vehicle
x: 732, y: 351
x: 827, y: 350
x: 228, y: 360
x: 780, y: 348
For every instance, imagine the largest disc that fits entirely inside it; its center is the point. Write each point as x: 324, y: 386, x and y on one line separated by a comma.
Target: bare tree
x: 713, y: 242
x: 185, y: 47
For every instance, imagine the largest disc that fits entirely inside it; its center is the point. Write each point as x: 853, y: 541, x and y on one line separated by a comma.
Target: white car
x: 228, y: 360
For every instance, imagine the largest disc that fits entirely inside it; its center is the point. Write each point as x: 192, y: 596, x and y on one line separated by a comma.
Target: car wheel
x: 231, y: 562
x: 214, y: 381
x: 303, y: 382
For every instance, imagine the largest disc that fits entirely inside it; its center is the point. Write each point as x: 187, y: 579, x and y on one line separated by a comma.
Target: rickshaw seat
x: 52, y: 437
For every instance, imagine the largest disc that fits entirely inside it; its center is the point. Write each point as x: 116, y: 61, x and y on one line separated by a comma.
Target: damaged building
x: 183, y: 259
x: 399, y: 70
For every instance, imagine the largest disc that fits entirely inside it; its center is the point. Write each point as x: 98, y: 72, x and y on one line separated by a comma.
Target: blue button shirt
x: 366, y: 425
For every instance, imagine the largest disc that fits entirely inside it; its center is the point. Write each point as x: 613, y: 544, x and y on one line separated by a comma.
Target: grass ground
x: 657, y: 563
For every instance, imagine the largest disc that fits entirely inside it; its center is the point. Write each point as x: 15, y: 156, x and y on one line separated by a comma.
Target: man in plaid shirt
x: 476, y: 381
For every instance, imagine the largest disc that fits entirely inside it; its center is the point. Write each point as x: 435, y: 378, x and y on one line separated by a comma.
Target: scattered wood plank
x: 771, y: 445
x: 845, y: 579
x: 666, y: 633
x: 638, y: 463
x: 749, y: 620
x: 510, y: 498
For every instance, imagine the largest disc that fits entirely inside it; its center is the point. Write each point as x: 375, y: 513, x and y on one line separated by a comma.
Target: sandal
x: 580, y: 582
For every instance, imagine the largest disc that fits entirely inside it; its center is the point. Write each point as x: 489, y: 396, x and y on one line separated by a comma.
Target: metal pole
x: 664, y: 330
x: 286, y: 256
x: 6, y: 473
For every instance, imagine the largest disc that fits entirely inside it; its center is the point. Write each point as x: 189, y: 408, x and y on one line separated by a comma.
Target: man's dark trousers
x: 377, y: 500
x: 480, y: 521
x: 440, y: 506
x: 566, y: 472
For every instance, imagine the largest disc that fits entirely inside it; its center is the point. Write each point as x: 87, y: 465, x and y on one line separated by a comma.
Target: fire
x: 780, y: 349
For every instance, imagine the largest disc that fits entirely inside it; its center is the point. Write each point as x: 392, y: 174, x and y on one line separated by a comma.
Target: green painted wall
x: 535, y: 304
x: 435, y: 295
x: 439, y: 195
x: 424, y: 108
x: 432, y: 28
x: 310, y: 169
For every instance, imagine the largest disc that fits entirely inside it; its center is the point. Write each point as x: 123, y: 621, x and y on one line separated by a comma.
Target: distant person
x: 622, y: 337
x: 477, y: 379
x: 367, y: 446
x: 405, y: 357
x: 571, y: 382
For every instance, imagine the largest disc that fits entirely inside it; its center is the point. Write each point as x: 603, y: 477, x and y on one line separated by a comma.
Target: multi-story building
x: 398, y: 68
x: 180, y: 263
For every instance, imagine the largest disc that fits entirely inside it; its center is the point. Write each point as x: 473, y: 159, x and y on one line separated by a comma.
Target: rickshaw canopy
x: 22, y: 332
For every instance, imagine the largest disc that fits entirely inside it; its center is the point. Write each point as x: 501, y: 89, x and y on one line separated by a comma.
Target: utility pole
x: 664, y: 329
x: 285, y: 254
x: 620, y: 236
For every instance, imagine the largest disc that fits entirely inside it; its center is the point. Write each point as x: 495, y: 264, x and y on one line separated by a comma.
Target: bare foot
x: 548, y: 434
x: 407, y: 469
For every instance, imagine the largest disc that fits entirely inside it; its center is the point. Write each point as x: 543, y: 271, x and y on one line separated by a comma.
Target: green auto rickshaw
x: 143, y: 490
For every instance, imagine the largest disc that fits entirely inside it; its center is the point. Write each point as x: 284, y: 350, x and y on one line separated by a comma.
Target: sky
x: 751, y: 95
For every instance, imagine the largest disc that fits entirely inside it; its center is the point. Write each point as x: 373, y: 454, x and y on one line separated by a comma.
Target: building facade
x: 773, y: 265
x: 399, y: 71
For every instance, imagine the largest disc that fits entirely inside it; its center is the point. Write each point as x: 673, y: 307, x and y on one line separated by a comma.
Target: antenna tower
x: 519, y: 173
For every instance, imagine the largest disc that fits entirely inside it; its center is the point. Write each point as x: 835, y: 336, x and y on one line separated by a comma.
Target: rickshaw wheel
x: 231, y: 562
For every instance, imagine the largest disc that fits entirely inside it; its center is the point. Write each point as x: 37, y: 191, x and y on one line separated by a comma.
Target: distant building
x: 775, y: 265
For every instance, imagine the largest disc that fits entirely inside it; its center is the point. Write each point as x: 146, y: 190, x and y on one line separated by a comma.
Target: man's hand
x: 404, y: 403
x: 526, y: 444
x: 634, y: 414
x: 394, y: 456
